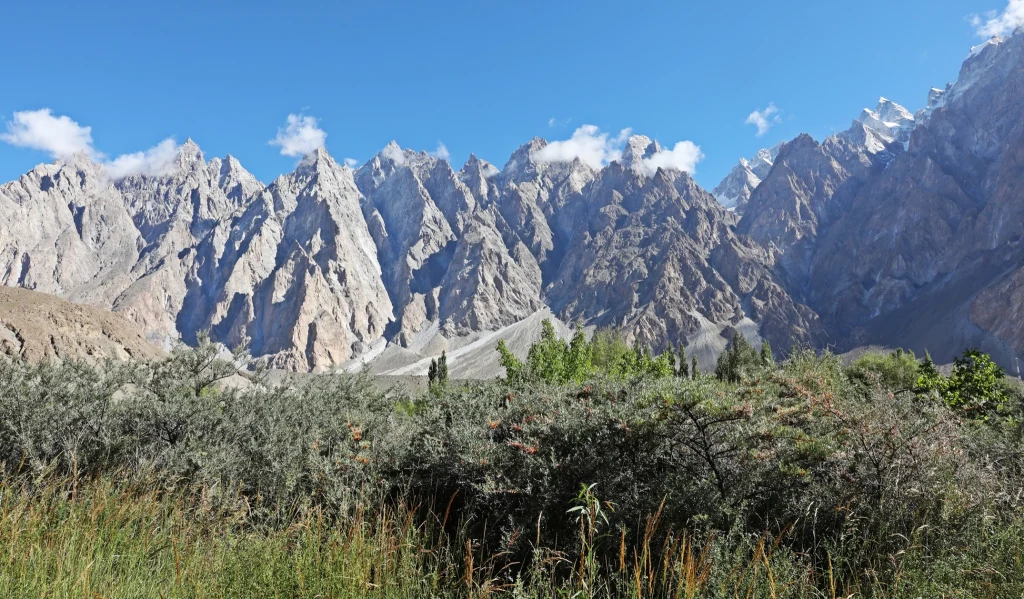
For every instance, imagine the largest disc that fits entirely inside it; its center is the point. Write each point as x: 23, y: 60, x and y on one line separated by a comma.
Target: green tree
x: 694, y: 371
x: 579, y: 357
x: 664, y: 365
x: 608, y: 346
x: 737, y: 360
x: 437, y: 373
x: 442, y: 368
x: 641, y: 362
x: 974, y: 385
x: 767, y: 359
x: 683, y: 371
x: 546, y: 359
x: 515, y: 370
x: 928, y: 378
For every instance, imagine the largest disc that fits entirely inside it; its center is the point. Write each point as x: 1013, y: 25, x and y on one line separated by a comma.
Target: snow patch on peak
x: 989, y: 43
x: 888, y: 119
x: 875, y: 129
x: 762, y: 162
x: 734, y: 190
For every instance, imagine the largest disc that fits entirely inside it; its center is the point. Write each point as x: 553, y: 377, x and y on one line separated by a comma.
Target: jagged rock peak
x: 889, y: 120
x: 523, y: 157
x: 478, y: 169
x: 734, y: 190
x: 397, y: 155
x: 762, y: 162
x: 639, y: 147
x: 473, y: 163
x: 189, y: 154
x: 316, y: 161
x: 79, y: 161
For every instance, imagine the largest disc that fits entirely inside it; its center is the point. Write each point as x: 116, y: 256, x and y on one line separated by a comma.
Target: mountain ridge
x: 326, y: 263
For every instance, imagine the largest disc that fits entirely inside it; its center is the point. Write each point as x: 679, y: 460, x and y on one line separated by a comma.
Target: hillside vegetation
x: 593, y: 470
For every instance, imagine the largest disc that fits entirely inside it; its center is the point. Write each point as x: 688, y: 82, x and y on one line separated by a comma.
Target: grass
x: 102, y: 539
x: 107, y: 539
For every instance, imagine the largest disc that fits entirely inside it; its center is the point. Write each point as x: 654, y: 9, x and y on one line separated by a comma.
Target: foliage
x: 608, y: 350
x: 974, y: 384
x: 929, y: 380
x: 896, y: 370
x: 739, y: 359
x: 682, y: 366
x: 552, y: 360
x: 515, y: 370
x: 437, y: 373
x: 797, y: 480
x: 767, y: 359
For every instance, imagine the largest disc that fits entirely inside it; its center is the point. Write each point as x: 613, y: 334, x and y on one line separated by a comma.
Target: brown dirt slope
x: 37, y: 326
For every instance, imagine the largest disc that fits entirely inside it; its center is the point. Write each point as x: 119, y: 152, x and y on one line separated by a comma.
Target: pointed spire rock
x: 639, y: 147
x: 319, y: 160
x: 522, y: 159
x: 475, y: 165
x: 189, y: 153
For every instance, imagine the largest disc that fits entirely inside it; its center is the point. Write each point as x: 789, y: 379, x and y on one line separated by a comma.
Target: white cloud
x: 764, y: 119
x: 157, y: 161
x: 441, y: 152
x: 554, y: 122
x: 1004, y: 23
x: 351, y: 162
x: 394, y: 153
x: 300, y: 136
x: 683, y: 157
x: 588, y: 143
x: 57, y: 135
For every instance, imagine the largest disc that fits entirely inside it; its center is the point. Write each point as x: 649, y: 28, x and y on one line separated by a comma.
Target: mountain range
x: 903, y: 230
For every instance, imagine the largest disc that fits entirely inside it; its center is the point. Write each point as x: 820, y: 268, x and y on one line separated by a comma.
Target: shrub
x: 974, y: 385
x: 896, y: 370
x: 800, y: 465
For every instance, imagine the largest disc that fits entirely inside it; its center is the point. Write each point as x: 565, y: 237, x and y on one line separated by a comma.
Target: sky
x: 265, y: 82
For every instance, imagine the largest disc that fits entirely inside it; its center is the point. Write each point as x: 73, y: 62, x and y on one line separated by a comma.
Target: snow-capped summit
x: 887, y: 116
x: 762, y: 162
x: 735, y: 189
x: 887, y: 123
x: 991, y: 42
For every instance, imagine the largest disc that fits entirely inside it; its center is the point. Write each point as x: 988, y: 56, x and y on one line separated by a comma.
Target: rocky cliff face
x: 659, y: 257
x: 64, y: 230
x: 295, y: 275
x: 873, y: 237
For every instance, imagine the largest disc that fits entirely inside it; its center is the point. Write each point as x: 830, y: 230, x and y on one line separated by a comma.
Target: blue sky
x: 477, y: 76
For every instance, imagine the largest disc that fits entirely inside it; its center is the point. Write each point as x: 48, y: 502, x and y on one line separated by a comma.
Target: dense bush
x: 855, y: 475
